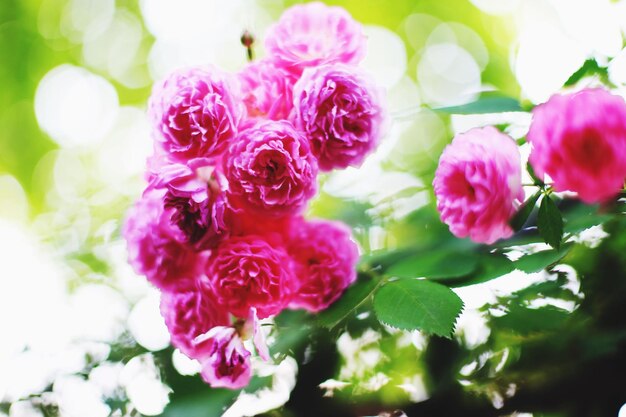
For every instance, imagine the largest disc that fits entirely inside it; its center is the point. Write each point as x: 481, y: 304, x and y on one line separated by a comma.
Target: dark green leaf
x: 523, y: 320
x: 583, y: 217
x: 491, y: 266
x: 550, y: 222
x: 518, y: 221
x: 525, y: 236
x: 383, y: 259
x: 211, y: 402
x: 356, y: 295
x: 435, y: 265
x: 412, y: 304
x: 483, y: 106
x: 538, y: 261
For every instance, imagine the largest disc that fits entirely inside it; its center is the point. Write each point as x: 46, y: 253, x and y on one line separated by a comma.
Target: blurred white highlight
x: 266, y: 399
x: 74, y: 106
x: 386, y: 56
x: 147, y: 325
x: 140, y: 377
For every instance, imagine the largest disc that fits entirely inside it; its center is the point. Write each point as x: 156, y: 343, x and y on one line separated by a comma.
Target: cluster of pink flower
x: 219, y: 228
x: 578, y: 139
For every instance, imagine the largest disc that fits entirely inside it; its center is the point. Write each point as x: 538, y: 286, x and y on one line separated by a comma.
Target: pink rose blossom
x: 579, y: 140
x: 193, y: 193
x: 250, y: 271
x: 270, y: 169
x: 314, y: 34
x: 252, y: 329
x: 224, y: 359
x: 325, y: 258
x: 478, y: 184
x: 190, y: 312
x: 266, y: 90
x: 195, y: 113
x: 342, y: 113
x: 244, y: 222
x: 157, y: 248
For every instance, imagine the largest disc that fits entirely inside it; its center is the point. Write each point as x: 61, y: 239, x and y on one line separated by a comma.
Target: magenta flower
x: 157, y: 248
x: 325, y: 256
x: 478, y: 184
x: 195, y: 113
x: 193, y: 193
x: 314, y: 34
x: 251, y: 328
x: 342, y: 113
x: 579, y: 140
x: 270, y: 169
x: 266, y: 90
x: 189, y: 312
x: 224, y: 359
x: 250, y: 271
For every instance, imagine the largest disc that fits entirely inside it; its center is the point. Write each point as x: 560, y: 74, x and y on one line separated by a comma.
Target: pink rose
x: 244, y: 222
x: 249, y: 271
x: 193, y: 193
x: 314, y: 34
x: 189, y: 312
x: 195, y: 113
x: 270, y: 169
x: 325, y: 256
x: 579, y: 140
x: 342, y: 113
x: 266, y: 90
x: 157, y: 248
x: 224, y: 359
x: 478, y: 184
x: 251, y: 328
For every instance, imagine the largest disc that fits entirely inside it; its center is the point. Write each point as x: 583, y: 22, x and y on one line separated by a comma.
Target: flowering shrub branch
x: 220, y: 228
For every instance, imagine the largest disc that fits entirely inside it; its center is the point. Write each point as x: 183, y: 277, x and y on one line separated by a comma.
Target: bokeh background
x: 81, y: 333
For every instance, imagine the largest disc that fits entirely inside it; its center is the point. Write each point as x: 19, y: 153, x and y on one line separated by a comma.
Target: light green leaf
x: 412, y: 304
x: 550, y: 222
x: 352, y: 299
x: 435, y: 265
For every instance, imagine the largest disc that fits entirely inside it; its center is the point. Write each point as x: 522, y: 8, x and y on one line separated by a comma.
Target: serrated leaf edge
x: 448, y: 335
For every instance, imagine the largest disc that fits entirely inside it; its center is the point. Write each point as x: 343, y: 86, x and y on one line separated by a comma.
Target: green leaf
x: 533, y: 175
x: 550, y: 222
x: 583, y: 217
x: 490, y: 104
x: 590, y: 67
x: 525, y: 236
x: 518, y: 221
x: 412, y: 304
x: 435, y: 265
x: 524, y: 320
x: 492, y: 266
x: 538, y: 261
x: 352, y: 299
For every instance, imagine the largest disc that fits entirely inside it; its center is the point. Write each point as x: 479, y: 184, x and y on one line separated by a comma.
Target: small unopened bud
x: 247, y: 40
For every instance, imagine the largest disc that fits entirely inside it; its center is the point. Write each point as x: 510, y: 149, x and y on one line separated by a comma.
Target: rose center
x: 460, y: 187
